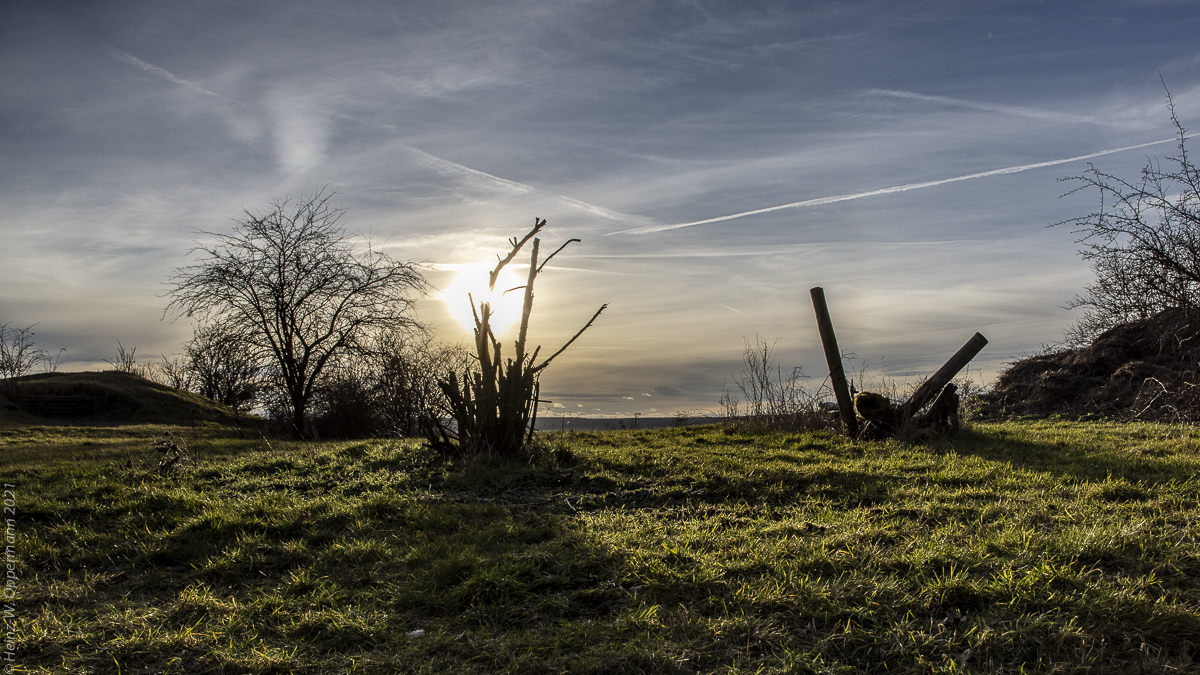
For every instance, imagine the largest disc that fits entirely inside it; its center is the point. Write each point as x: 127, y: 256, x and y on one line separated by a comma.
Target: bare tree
x: 18, y: 352
x: 291, y: 283
x: 1143, y: 242
x: 172, y: 371
x: 222, y: 365
x: 405, y: 386
x: 344, y: 401
x: 493, y: 405
x: 53, y: 362
x: 388, y: 389
x: 124, y: 361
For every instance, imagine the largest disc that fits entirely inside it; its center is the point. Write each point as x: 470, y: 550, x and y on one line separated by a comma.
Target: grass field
x: 1037, y: 547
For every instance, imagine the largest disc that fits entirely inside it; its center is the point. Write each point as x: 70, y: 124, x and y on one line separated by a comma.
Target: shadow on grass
x: 669, y: 552
x: 1044, y: 449
x: 226, y: 569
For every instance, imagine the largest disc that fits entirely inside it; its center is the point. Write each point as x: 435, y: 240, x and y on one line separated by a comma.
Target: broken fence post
x: 833, y: 356
x: 942, y: 377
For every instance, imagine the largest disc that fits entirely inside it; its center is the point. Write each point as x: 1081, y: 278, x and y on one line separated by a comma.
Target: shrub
x: 773, y: 402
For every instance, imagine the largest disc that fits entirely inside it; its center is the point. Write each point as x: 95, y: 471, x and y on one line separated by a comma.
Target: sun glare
x: 473, y: 280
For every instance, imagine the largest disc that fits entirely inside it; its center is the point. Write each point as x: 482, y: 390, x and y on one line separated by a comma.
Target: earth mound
x: 1146, y: 369
x: 108, y: 398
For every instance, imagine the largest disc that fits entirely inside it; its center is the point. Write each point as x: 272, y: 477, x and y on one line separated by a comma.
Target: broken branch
x: 538, y: 224
x: 576, y: 336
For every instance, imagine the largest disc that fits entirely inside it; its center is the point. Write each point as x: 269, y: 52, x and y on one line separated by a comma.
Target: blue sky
x: 446, y: 127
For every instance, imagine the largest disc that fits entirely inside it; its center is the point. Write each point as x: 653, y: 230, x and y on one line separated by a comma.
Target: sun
x: 472, y: 282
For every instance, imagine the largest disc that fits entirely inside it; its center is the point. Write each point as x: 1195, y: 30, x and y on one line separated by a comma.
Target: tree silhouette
x: 493, y: 405
x: 1143, y: 242
x: 291, y: 283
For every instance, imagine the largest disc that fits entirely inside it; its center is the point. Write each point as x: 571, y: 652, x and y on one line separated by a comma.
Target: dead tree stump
x: 880, y: 418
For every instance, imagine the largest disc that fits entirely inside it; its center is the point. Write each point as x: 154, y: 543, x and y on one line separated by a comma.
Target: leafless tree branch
x: 1143, y: 241
x: 290, y: 282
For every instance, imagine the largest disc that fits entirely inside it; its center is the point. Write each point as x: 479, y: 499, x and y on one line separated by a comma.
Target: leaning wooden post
x: 942, y: 377
x: 833, y: 356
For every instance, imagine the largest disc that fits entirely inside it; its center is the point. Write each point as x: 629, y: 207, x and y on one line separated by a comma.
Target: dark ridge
x: 107, y: 398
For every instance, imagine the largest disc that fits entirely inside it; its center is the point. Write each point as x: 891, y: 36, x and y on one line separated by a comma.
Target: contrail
x: 478, y: 177
x: 1019, y: 111
x: 161, y: 72
x: 883, y: 191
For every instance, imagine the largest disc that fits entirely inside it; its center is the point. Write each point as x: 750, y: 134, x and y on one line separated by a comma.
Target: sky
x: 717, y: 160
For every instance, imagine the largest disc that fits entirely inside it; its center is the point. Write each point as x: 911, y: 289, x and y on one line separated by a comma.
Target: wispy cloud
x: 300, y: 130
x: 159, y: 71
x: 556, y: 268
x: 888, y: 190
x: 1019, y: 111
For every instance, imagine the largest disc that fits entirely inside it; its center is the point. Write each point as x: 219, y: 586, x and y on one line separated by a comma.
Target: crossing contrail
x: 1019, y: 111
x: 477, y: 177
x: 161, y: 72
x: 883, y: 191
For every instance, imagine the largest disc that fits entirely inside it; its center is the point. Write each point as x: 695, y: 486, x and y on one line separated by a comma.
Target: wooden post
x: 833, y: 356
x: 942, y: 377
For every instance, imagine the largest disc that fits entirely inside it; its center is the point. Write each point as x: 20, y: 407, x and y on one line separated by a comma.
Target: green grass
x: 1038, y: 546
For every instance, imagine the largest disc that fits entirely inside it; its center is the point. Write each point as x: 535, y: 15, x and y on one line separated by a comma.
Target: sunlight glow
x: 473, y: 280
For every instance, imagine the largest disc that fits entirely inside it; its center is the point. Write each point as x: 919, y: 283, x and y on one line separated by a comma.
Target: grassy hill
x: 1037, y: 547
x: 106, y: 398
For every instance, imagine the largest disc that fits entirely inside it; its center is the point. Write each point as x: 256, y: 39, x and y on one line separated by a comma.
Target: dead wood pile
x: 1146, y: 369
